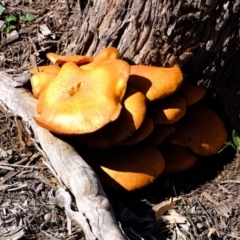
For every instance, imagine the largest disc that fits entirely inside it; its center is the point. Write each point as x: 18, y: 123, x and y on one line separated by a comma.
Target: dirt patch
x: 206, y: 198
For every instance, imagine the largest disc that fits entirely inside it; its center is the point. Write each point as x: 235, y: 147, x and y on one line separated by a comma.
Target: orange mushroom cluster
x: 138, y: 121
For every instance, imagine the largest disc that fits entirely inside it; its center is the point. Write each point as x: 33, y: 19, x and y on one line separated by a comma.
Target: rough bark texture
x: 202, y: 36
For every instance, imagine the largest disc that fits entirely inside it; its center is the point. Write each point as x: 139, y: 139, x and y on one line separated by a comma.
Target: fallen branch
x: 95, y: 214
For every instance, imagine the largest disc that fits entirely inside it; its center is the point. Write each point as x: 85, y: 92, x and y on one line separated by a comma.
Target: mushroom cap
x: 128, y: 168
x: 106, y: 54
x: 168, y: 110
x: 40, y: 80
x: 78, y: 59
x: 130, y: 119
x: 160, y: 133
x: 77, y: 101
x: 103, y: 55
x: 155, y: 82
x: 177, y: 158
x: 201, y: 130
x: 143, y: 132
x: 191, y: 93
x: 49, y: 69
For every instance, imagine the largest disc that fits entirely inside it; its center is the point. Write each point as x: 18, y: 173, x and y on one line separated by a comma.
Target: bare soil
x: 205, y: 198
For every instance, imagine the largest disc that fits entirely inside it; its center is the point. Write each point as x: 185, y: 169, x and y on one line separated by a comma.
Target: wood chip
x: 45, y: 30
x: 10, y: 38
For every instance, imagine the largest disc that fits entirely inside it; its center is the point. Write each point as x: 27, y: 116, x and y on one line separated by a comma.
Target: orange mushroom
x: 191, y: 93
x: 129, y: 120
x: 127, y: 168
x: 201, y: 130
x: 103, y: 55
x: 143, y: 132
x: 177, y: 158
x: 155, y: 82
x: 160, y: 133
x: 40, y: 80
x: 168, y: 110
x: 78, y: 101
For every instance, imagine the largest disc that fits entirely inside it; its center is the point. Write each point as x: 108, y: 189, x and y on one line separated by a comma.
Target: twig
x: 2, y: 196
x: 17, y: 188
x: 230, y: 181
x: 33, y: 157
x: 35, y: 214
x: 6, y: 167
x: 33, y: 62
x: 34, y: 46
x: 19, y: 133
x: 208, y: 218
x: 233, y: 236
x: 2, y: 165
x: 225, y: 190
x: 37, y: 175
x: 8, y: 176
x: 195, y: 234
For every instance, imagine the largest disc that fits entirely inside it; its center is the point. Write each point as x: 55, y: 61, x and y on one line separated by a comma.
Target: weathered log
x: 200, y: 36
x: 95, y: 215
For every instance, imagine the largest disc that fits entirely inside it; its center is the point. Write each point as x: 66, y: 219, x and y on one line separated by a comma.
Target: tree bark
x: 200, y: 36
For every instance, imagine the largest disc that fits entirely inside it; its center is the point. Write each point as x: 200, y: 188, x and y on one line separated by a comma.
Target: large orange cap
x: 79, y: 101
x: 155, y: 82
x: 177, y: 158
x: 201, y: 130
x: 40, y: 80
x: 128, y: 168
x: 168, y: 110
x: 129, y: 120
x: 78, y: 59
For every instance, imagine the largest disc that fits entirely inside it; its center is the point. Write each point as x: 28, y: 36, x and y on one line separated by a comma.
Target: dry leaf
x: 174, y: 217
x: 45, y: 30
x: 163, y: 207
x: 3, y: 153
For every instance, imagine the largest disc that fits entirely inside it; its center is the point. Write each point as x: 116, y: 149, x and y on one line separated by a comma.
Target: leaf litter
x: 207, y: 205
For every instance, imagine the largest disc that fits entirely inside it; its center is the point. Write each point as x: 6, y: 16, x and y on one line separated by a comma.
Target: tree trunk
x: 202, y: 37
